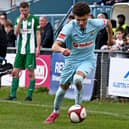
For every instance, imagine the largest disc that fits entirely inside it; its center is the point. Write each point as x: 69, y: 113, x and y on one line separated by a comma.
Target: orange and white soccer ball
x: 77, y: 113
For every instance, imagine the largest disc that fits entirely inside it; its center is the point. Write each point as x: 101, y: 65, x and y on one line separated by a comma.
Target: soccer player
x: 28, y: 31
x: 79, y: 53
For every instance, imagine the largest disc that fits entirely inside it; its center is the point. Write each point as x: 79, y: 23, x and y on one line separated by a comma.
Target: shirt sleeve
x: 37, y: 23
x: 65, y: 32
x: 99, y: 23
x: 16, y: 22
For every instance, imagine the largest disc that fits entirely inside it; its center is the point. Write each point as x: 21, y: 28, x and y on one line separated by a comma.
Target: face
x: 119, y: 35
x: 120, y: 20
x: 2, y: 19
x: 24, y: 11
x: 100, y: 17
x: 82, y: 21
x: 42, y: 21
x: 127, y: 38
x: 8, y: 28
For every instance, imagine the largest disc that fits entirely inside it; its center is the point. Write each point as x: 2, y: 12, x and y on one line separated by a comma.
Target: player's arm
x: 61, y: 38
x: 38, y: 42
x: 57, y: 48
x: 17, y: 28
x: 110, y: 37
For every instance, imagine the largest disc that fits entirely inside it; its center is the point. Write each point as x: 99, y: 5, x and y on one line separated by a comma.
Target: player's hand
x: 22, y: 16
x: 66, y: 52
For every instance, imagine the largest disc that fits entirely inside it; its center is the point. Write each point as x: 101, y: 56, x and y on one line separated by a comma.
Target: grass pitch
x: 31, y: 115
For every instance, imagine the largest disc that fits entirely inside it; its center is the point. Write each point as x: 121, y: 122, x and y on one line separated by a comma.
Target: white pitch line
x: 65, y: 108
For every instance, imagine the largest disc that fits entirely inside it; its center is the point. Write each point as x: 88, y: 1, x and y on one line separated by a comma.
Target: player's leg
x: 30, y: 65
x: 57, y: 102
x: 83, y: 70
x: 31, y: 85
x: 59, y: 96
x: 78, y: 91
x: 15, y: 82
x: 18, y: 65
x: 66, y: 79
x: 14, y: 85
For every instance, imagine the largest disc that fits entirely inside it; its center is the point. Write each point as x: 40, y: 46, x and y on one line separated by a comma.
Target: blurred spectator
x: 102, y: 36
x: 113, y: 26
x: 70, y: 17
x: 108, y: 2
x: 104, y: 2
x: 10, y: 34
x: 46, y: 33
x: 99, y: 2
x: 3, y: 37
x: 119, y: 39
x: 121, y: 23
x: 91, y: 16
x: 125, y: 46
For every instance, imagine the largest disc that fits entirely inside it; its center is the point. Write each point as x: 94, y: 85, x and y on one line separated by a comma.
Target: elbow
x: 53, y: 47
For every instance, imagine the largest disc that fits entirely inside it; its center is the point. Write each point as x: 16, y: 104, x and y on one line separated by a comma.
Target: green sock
x: 14, y: 87
x: 31, y: 88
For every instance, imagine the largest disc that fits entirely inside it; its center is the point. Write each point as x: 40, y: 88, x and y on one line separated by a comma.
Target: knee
x: 31, y: 74
x: 77, y: 80
x: 65, y: 87
x: 15, y: 73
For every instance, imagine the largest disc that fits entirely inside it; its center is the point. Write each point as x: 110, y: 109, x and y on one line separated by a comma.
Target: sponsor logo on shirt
x: 82, y: 45
x: 26, y: 30
x: 61, y: 36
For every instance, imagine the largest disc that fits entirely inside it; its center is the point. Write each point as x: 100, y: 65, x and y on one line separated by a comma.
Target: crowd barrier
x: 107, y: 80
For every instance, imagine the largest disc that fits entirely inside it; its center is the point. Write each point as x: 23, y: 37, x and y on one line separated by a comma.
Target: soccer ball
x: 77, y: 113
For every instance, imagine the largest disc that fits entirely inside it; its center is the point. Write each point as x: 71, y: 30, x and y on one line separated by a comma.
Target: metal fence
x: 102, y: 69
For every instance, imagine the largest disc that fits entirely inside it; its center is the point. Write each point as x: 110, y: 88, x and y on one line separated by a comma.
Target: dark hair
x: 105, y: 14
x: 121, y: 16
x: 8, y: 23
x: 24, y: 5
x: 3, y: 13
x: 113, y: 23
x: 81, y: 9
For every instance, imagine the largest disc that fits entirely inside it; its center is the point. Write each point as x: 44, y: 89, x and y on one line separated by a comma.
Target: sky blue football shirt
x: 81, y: 43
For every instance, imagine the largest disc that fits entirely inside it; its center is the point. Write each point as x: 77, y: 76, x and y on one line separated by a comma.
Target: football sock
x: 31, y: 88
x: 78, y: 95
x: 14, y: 87
x: 58, y: 98
x: 77, y: 80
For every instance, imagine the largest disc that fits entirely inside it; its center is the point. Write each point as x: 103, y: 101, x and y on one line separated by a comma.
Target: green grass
x: 31, y: 115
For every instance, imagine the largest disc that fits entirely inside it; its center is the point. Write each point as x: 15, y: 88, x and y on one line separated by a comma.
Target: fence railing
x: 102, y: 69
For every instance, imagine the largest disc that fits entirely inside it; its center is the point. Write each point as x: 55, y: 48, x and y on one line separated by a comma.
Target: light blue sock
x: 78, y: 95
x: 78, y: 91
x: 58, y: 98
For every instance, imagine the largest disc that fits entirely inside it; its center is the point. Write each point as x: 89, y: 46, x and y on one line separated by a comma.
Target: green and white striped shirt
x: 27, y: 35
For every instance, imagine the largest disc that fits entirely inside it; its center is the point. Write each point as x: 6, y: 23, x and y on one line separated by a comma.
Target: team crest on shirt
x: 92, y: 33
x: 29, y: 23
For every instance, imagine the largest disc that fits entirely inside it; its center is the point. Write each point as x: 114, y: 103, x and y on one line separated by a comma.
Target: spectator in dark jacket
x: 102, y: 36
x: 46, y: 33
x: 121, y: 23
x: 11, y: 37
x: 3, y: 36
